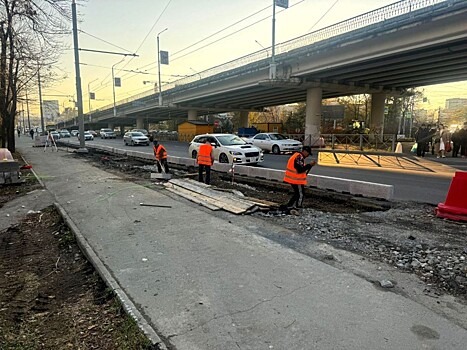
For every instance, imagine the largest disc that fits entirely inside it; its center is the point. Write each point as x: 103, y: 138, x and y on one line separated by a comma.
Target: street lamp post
x: 159, y: 66
x: 113, y: 86
x: 272, y: 65
x: 267, y: 51
x: 196, y: 73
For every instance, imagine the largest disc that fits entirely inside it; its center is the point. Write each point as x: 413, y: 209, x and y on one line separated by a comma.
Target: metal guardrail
x: 354, y: 23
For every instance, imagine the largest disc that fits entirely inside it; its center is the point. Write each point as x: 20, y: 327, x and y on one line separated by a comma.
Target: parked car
x: 107, y: 134
x: 74, y: 132
x: 55, y: 135
x: 275, y: 143
x: 64, y: 133
x: 134, y: 138
x: 143, y: 131
x: 87, y: 136
x: 228, y: 148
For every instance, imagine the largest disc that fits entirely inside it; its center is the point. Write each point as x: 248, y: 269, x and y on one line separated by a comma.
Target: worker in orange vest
x: 161, y: 157
x: 205, y: 160
x: 296, y: 173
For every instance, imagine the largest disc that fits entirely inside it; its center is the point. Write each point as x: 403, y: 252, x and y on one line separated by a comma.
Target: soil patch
x: 50, y: 295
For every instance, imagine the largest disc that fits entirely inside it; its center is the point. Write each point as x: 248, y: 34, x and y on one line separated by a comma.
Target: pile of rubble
x: 408, y: 237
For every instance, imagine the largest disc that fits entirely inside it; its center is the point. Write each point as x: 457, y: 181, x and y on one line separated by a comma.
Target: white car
x: 275, y: 143
x: 87, y: 136
x: 107, y: 134
x: 228, y: 148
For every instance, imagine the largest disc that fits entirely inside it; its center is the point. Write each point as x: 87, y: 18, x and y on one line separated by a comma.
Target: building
x: 455, y: 103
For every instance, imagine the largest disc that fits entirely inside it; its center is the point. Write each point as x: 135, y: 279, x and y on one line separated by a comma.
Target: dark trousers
x: 455, y: 149
x: 164, y: 163
x: 201, y: 169
x: 421, y: 146
x: 298, y: 195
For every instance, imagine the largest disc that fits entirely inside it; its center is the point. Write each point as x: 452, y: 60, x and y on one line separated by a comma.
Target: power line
x: 105, y: 41
x: 241, y: 29
x: 220, y: 31
x: 319, y: 20
x: 152, y: 28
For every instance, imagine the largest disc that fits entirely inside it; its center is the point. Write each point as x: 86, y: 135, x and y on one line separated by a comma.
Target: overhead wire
x: 319, y: 20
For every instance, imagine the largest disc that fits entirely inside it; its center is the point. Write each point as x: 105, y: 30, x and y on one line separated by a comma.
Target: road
x: 408, y: 186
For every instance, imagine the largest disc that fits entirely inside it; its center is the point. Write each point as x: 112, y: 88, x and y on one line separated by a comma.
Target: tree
x: 30, y: 39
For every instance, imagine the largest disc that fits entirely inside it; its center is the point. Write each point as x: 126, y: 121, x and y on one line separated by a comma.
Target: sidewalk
x: 207, y: 280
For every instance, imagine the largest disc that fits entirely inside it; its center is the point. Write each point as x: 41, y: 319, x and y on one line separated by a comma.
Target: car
x: 74, y: 132
x: 93, y: 133
x: 275, y: 143
x: 87, y: 136
x: 134, y: 138
x: 64, y: 133
x: 143, y: 131
x: 228, y: 148
x: 107, y: 134
x: 55, y: 135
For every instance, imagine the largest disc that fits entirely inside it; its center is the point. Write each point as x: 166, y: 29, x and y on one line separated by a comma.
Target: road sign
x: 92, y: 96
x: 117, y: 82
x: 282, y: 3
x: 164, y: 57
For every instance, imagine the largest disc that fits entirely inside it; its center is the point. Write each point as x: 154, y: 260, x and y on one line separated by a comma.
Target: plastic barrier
x: 455, y: 206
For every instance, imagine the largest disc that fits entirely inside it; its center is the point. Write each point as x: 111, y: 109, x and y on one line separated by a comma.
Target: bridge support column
x: 140, y: 123
x: 243, y: 123
x: 122, y: 130
x: 377, y: 113
x: 110, y: 126
x: 313, y: 116
x: 192, y: 114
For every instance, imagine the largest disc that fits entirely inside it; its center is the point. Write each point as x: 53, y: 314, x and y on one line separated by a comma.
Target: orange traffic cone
x: 455, y: 206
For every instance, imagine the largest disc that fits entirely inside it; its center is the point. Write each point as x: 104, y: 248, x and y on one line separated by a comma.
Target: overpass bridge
x: 407, y: 44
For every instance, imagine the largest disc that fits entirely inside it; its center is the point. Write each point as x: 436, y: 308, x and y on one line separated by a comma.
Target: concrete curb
x: 354, y: 187
x: 109, y: 280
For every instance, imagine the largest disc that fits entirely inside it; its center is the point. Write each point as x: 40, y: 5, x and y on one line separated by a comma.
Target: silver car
x: 134, y: 138
x: 275, y: 143
x: 107, y: 134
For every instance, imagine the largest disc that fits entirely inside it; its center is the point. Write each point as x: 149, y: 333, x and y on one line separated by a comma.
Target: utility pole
x: 79, y: 92
x: 27, y: 107
x: 40, y: 101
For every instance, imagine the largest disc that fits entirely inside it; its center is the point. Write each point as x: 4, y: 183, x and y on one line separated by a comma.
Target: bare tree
x: 30, y: 39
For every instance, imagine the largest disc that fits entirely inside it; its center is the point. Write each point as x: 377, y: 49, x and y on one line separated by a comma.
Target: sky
x: 235, y: 28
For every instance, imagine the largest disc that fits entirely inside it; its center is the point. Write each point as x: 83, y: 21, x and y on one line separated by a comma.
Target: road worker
x: 295, y: 174
x: 205, y: 160
x: 161, y: 157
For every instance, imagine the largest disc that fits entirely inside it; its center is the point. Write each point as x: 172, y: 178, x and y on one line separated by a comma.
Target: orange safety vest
x: 292, y: 176
x: 204, y: 155
x: 157, y: 150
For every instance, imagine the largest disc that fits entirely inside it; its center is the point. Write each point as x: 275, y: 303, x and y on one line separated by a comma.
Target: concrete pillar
x: 243, y: 123
x: 110, y: 126
x: 377, y: 113
x: 313, y: 116
x: 192, y: 114
x: 122, y: 130
x: 139, y: 123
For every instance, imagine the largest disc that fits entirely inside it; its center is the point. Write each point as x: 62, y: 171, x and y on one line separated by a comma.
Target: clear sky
x: 132, y: 27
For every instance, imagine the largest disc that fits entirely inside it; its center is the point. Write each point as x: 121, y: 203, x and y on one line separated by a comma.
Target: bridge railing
x: 354, y: 23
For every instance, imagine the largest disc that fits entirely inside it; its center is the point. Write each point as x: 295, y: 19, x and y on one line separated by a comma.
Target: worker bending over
x: 161, y: 157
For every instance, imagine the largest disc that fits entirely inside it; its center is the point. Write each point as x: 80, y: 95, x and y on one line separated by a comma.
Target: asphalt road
x: 411, y: 186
